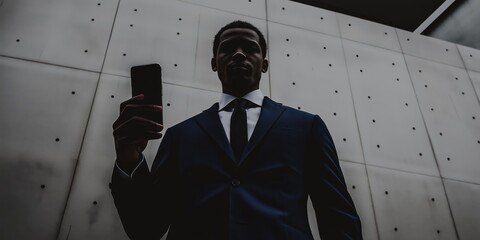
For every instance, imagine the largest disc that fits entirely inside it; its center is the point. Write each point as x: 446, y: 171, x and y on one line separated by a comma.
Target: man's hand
x: 131, y: 132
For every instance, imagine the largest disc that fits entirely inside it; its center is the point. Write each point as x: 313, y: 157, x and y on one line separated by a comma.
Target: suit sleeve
x: 337, y: 217
x: 145, y: 201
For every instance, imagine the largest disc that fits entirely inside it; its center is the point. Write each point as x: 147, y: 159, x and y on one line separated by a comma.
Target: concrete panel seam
x: 401, y: 170
x: 169, y: 83
x: 68, y: 233
x: 221, y: 10
x: 350, y: 161
x: 358, y: 126
x: 468, y: 73
x: 369, y: 44
x: 478, y: 72
x: 268, y: 52
x: 188, y: 86
x: 432, y: 60
x: 302, y: 28
x: 335, y: 36
x: 47, y: 63
x: 462, y: 181
x: 430, y: 141
x: 86, y: 127
x: 471, y: 81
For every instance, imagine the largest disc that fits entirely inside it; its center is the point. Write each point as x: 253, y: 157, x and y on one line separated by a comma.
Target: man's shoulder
x: 292, y: 117
x: 268, y: 102
x: 297, y: 112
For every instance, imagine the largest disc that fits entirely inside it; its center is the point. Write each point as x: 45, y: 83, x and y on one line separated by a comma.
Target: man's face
x: 239, y: 62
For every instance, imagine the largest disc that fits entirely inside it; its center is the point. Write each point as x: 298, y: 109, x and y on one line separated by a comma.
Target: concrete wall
x: 403, y: 109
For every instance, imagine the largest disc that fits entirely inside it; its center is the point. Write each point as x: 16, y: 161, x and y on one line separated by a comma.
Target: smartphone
x: 147, y: 79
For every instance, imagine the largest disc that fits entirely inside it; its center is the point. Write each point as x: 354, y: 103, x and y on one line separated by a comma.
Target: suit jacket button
x: 235, y: 182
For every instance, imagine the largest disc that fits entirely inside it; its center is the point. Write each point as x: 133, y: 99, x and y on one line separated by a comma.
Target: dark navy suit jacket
x: 198, y: 190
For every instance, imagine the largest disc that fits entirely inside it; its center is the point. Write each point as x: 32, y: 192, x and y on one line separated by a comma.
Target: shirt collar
x: 255, y: 96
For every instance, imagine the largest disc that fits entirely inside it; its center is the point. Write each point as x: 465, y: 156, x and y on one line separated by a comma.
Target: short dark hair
x: 240, y: 24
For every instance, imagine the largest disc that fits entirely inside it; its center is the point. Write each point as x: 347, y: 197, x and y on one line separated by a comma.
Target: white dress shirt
x: 255, y: 96
x: 253, y: 114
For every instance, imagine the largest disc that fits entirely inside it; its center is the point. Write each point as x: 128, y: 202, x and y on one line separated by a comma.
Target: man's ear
x: 214, y: 64
x: 265, y: 65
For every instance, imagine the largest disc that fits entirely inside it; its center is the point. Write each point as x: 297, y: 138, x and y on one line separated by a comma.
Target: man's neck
x: 256, y: 96
x: 239, y: 94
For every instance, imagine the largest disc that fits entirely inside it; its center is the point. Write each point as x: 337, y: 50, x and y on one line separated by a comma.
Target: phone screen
x: 147, y: 79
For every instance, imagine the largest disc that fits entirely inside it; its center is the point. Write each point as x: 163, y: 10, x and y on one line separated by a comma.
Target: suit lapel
x: 270, y: 112
x: 210, y: 122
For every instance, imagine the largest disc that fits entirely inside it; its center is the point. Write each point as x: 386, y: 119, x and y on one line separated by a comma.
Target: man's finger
x: 132, y: 111
x: 131, y: 100
x: 135, y: 126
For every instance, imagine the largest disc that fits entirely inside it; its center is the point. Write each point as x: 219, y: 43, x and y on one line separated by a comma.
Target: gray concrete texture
x: 403, y: 109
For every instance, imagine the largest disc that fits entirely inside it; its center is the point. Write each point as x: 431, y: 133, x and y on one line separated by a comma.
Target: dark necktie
x: 238, y: 126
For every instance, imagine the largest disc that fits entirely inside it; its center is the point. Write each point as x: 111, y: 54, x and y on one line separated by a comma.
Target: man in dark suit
x: 242, y: 169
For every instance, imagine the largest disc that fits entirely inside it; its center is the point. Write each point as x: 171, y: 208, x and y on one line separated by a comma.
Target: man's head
x: 240, y: 24
x: 239, y: 52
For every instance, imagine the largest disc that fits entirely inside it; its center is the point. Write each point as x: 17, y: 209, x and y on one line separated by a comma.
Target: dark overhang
x: 410, y: 15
